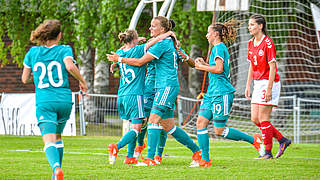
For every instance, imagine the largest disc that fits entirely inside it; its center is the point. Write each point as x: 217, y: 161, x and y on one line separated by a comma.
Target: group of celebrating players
x: 148, y: 101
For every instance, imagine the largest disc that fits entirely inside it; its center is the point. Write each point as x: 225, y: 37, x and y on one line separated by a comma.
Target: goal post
x: 222, y: 5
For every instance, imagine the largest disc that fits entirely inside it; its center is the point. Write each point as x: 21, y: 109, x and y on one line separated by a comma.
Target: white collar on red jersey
x: 256, y: 44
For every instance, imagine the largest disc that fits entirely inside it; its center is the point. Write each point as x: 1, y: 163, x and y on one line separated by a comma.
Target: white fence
x: 296, y: 118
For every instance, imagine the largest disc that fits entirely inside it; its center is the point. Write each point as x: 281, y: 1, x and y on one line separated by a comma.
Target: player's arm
x: 130, y: 61
x: 201, y: 65
x: 113, y: 66
x: 249, y: 80
x: 272, y: 75
x: 26, y: 75
x: 74, y: 71
x: 161, y: 37
x: 186, y: 58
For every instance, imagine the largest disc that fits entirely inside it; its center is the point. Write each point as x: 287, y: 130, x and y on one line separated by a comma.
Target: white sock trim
x: 202, y: 132
x: 47, y: 145
x: 136, y: 131
x: 172, y: 130
x: 153, y: 126
x: 225, y: 132
x: 60, y: 145
x: 266, y: 127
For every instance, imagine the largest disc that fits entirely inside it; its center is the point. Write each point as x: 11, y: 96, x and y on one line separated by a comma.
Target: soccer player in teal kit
x: 217, y: 102
x: 50, y: 64
x: 167, y: 88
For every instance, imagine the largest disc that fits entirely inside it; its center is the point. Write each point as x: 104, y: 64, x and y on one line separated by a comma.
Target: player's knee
x: 218, y: 131
x: 201, y: 123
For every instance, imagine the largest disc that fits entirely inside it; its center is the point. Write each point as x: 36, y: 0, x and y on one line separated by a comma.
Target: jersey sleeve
x: 157, y: 50
x: 67, y: 53
x: 218, y: 53
x: 248, y: 57
x: 270, y: 51
x: 27, y: 59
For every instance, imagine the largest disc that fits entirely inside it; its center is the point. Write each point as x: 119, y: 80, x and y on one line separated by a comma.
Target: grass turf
x: 86, y: 158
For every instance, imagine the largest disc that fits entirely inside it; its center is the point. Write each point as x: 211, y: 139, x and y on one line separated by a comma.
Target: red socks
x: 267, y: 134
x: 276, y: 133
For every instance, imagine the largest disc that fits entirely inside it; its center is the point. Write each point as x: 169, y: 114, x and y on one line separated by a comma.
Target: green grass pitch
x: 86, y: 158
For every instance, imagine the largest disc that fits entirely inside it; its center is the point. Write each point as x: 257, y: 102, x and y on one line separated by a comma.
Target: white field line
x: 184, y: 157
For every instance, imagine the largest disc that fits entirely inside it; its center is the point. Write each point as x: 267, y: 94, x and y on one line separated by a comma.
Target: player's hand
x: 268, y: 95
x: 142, y: 39
x: 247, y: 93
x: 113, y: 57
x: 112, y: 67
x: 198, y: 63
x: 83, y: 86
x: 182, y: 55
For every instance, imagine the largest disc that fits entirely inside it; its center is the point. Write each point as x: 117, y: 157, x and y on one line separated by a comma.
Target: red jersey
x: 260, y: 57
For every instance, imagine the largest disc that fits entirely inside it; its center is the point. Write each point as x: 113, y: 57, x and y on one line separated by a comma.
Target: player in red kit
x: 266, y: 89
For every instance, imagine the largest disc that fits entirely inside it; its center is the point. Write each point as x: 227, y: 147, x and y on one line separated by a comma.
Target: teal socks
x: 234, y: 134
x: 60, y: 148
x: 140, y: 138
x: 182, y: 137
x: 52, y: 155
x: 129, y: 137
x: 153, y: 139
x: 203, y: 140
x: 162, y: 143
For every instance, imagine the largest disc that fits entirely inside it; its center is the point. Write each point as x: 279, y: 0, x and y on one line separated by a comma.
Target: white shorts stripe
x: 225, y: 104
x: 141, y: 115
x: 164, y: 96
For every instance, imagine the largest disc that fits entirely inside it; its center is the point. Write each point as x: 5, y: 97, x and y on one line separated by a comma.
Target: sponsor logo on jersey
x: 269, y: 45
x: 261, y: 52
x: 41, y: 117
x: 250, y: 52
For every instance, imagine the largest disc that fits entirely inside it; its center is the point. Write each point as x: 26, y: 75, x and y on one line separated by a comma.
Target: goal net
x: 291, y: 25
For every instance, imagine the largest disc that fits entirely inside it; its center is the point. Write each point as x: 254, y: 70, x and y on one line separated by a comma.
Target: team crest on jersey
x: 261, y: 52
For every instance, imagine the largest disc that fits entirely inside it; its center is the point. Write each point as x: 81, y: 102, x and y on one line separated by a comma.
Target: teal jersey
x: 50, y: 75
x: 219, y: 84
x: 165, y: 63
x: 132, y: 77
x: 151, y: 74
x: 150, y: 79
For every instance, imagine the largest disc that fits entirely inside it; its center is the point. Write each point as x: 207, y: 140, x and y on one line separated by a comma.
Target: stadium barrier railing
x: 295, y: 117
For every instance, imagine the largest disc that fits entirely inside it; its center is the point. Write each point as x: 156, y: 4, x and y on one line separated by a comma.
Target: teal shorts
x: 217, y: 108
x: 131, y: 108
x: 52, y: 116
x: 148, y: 101
x: 164, y: 102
